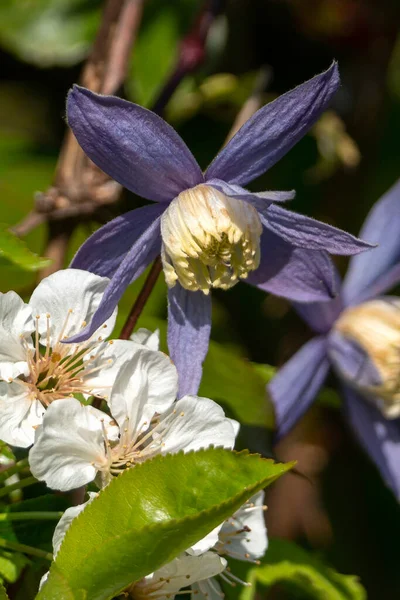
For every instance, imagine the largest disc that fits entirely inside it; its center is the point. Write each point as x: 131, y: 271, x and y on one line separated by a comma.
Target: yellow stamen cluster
x: 375, y: 326
x: 209, y: 240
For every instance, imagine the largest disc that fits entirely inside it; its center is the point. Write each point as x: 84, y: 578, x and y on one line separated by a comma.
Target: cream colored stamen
x: 209, y: 239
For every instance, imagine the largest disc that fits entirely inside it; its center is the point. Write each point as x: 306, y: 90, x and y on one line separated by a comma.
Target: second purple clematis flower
x: 358, y: 334
x: 210, y: 231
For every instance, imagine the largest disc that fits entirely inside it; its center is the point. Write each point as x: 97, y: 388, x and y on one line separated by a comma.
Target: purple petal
x: 320, y: 316
x: 351, y: 362
x: 380, y: 437
x: 143, y: 251
x: 294, y: 273
x: 131, y: 144
x: 274, y: 130
x: 305, y: 232
x: 381, y: 227
x: 235, y: 191
x: 189, y: 326
x: 103, y: 252
x: 297, y: 383
x: 383, y: 283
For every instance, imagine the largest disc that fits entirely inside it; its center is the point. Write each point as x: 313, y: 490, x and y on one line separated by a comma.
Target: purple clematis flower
x: 210, y: 231
x: 358, y: 334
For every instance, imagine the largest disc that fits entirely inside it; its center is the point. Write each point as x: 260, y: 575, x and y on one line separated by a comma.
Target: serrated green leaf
x: 288, y: 564
x: 17, y: 252
x: 3, y: 593
x: 49, y: 32
x: 149, y: 515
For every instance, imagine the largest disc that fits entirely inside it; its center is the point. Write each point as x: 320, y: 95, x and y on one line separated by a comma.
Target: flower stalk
x: 18, y: 485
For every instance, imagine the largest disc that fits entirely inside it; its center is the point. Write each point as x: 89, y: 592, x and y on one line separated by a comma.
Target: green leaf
x: 14, y: 250
x: 3, y: 593
x: 288, y: 564
x: 238, y: 384
x: 49, y: 32
x: 11, y: 565
x: 149, y: 515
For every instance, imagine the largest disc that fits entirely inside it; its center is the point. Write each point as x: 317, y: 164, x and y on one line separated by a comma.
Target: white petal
x: 197, y: 423
x: 16, y: 328
x: 253, y: 543
x: 181, y: 572
x: 147, y: 338
x: 208, y: 589
x: 66, y: 520
x: 70, y: 297
x: 206, y: 543
x: 19, y: 414
x: 43, y: 580
x: 146, y: 384
x: 69, y: 445
x: 103, y: 364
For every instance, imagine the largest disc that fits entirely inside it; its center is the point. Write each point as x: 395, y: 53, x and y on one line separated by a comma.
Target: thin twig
x: 141, y: 299
x: 31, y: 516
x: 9, y: 545
x: 14, y: 468
x: 18, y: 485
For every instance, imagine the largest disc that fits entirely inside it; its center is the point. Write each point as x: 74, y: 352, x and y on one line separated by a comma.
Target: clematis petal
x: 294, y: 273
x: 321, y: 316
x: 139, y: 256
x: 19, y: 414
x: 381, y: 227
x: 305, y: 232
x: 274, y: 130
x: 16, y: 328
x: 296, y: 384
x: 351, y: 361
x: 147, y: 383
x: 131, y: 144
x: 69, y: 445
x: 380, y: 437
x: 103, y: 252
x: 189, y: 326
x: 258, y: 198
x: 70, y: 297
x: 196, y: 423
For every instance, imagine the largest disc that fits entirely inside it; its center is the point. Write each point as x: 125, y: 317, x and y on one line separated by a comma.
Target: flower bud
x: 209, y: 239
x: 375, y: 327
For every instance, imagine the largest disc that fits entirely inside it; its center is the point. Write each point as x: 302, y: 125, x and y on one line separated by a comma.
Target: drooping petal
x: 381, y: 227
x: 69, y: 445
x: 352, y: 362
x: 297, y: 383
x: 244, y: 535
x: 139, y: 256
x: 189, y: 326
x: 131, y: 144
x: 19, y: 414
x: 67, y: 300
x: 148, y: 339
x: 294, y: 273
x: 380, y: 286
x: 16, y: 328
x: 196, y: 423
x: 380, y: 437
x: 305, y: 232
x: 103, y: 252
x: 147, y: 383
x: 321, y: 316
x: 208, y: 589
x: 259, y: 198
x: 274, y: 130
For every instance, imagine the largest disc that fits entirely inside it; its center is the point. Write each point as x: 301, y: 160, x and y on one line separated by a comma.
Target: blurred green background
x: 339, y: 170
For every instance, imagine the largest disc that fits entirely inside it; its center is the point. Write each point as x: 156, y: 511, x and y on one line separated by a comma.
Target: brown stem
x: 141, y: 299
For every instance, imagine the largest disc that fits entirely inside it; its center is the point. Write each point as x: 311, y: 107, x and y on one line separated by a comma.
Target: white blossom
x: 76, y: 444
x: 38, y: 366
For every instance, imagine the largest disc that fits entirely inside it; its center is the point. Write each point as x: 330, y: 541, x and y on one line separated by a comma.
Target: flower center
x: 375, y: 327
x: 209, y: 239
x: 58, y: 370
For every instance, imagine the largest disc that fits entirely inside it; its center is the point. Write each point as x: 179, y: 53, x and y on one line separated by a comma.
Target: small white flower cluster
x: 45, y: 391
